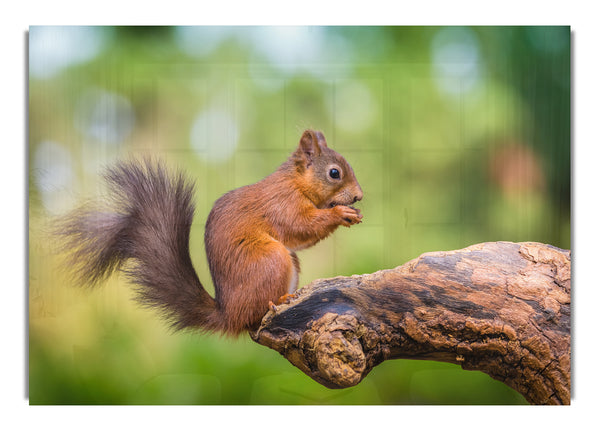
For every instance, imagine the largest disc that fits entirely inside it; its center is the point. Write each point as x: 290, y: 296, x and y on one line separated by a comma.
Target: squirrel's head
x: 327, y: 178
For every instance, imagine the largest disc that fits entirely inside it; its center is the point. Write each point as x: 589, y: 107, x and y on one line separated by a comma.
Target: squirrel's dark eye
x: 334, y: 173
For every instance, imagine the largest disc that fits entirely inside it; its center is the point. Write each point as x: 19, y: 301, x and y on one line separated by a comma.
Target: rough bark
x: 501, y: 308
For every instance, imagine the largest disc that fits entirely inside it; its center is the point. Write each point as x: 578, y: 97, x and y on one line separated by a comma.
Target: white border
x: 20, y: 15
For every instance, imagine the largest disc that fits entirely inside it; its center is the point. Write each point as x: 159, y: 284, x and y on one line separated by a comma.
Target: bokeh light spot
x: 455, y: 56
x: 51, y: 49
x: 200, y: 41
x: 104, y: 117
x: 53, y: 176
x: 214, y: 135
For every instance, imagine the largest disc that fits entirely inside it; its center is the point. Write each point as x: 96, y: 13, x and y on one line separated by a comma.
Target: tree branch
x: 501, y: 308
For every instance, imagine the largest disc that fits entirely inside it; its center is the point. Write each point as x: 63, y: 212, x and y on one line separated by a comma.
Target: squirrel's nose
x: 358, y: 197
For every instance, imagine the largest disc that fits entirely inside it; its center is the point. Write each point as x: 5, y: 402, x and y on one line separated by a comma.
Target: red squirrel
x: 251, y: 237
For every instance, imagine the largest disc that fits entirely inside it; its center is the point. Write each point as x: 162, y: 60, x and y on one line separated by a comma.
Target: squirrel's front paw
x: 348, y: 215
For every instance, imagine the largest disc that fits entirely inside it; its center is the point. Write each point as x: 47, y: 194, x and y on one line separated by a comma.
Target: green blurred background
x: 457, y: 135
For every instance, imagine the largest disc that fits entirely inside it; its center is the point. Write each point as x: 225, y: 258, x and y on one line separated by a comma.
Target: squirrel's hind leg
x: 292, y: 286
x: 265, y: 281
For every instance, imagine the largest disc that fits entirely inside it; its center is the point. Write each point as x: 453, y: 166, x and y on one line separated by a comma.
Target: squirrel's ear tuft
x: 321, y: 139
x: 310, y: 145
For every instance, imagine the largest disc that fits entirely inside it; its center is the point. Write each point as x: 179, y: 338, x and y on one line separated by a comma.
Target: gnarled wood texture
x: 501, y: 308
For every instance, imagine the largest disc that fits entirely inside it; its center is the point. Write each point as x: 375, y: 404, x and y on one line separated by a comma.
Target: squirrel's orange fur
x: 251, y: 237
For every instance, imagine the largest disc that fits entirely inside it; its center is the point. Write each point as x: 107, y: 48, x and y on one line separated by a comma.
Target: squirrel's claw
x: 285, y: 299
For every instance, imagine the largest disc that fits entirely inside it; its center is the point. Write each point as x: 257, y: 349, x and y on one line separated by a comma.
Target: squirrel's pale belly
x: 293, y: 280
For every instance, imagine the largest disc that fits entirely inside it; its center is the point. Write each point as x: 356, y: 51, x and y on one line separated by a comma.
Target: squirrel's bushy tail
x: 147, y: 222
